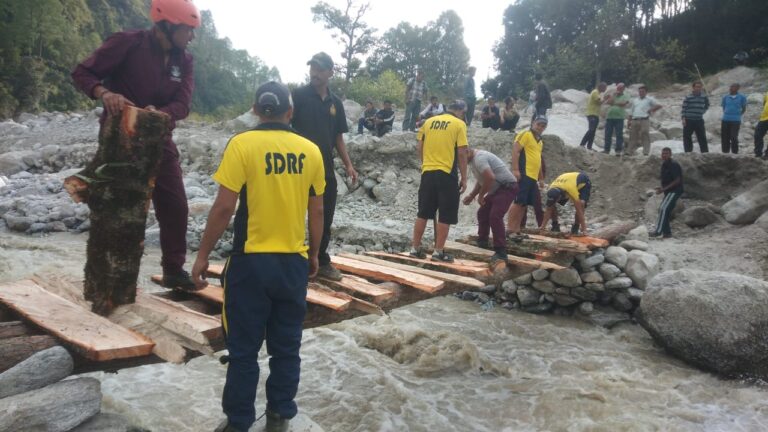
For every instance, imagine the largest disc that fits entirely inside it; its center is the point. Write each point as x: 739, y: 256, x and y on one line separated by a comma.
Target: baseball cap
x: 541, y: 119
x: 322, y: 60
x: 273, y: 98
x: 457, y: 105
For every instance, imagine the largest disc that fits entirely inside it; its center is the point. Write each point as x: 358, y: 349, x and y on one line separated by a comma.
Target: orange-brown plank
x: 212, y: 293
x: 590, y: 241
x: 561, y: 244
x: 452, y: 246
x: 376, y: 271
x: 94, y: 336
x: 360, y: 286
x: 177, y: 318
x: 461, y: 267
x: 441, y: 276
x: 215, y: 270
x: 319, y: 296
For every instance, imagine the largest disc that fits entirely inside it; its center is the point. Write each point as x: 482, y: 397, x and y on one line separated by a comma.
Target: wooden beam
x: 215, y: 270
x: 611, y: 232
x: 589, y: 241
x: 388, y: 273
x: 212, y: 293
x: 350, y: 302
x: 360, y: 287
x: 95, y: 337
x: 14, y: 329
x: 566, y: 245
x: 480, y: 253
x: 469, y: 268
x: 319, y: 296
x: 466, y: 282
x: 15, y: 350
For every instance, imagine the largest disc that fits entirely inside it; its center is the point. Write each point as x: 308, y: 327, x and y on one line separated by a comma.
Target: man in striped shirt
x: 694, y: 107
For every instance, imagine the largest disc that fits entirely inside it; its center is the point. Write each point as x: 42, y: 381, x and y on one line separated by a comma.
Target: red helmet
x: 175, y: 12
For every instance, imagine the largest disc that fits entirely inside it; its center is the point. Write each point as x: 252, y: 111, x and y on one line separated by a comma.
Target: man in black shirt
x: 384, y: 119
x: 491, y: 116
x: 367, y: 118
x: 543, y: 97
x: 318, y: 115
x: 672, y: 187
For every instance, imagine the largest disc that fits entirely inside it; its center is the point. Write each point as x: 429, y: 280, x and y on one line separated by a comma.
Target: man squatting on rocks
x: 151, y: 69
x: 574, y: 186
x: 279, y: 177
x: 318, y: 115
x: 526, y: 166
x: 442, y: 149
x: 672, y: 187
x: 495, y: 189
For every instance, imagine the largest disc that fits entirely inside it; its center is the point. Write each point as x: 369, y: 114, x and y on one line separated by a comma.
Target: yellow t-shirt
x: 568, y: 183
x: 530, y: 157
x: 275, y: 171
x: 442, y: 135
x: 593, y: 103
x: 764, y: 115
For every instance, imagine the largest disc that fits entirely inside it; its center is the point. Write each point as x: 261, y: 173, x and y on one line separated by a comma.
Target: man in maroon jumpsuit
x: 151, y: 69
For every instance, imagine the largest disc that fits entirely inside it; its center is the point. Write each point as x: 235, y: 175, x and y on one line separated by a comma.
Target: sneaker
x: 483, y: 243
x: 442, y: 257
x: 275, y: 423
x: 181, y: 280
x: 498, y: 257
x: 329, y: 272
x: 555, y: 227
x: 224, y: 426
x: 418, y: 253
x: 654, y: 234
x: 574, y: 229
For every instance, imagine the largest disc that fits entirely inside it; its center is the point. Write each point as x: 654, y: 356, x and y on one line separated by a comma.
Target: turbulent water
x: 439, y: 365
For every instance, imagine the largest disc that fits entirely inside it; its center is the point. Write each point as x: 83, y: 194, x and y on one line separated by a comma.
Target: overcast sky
x: 283, y: 35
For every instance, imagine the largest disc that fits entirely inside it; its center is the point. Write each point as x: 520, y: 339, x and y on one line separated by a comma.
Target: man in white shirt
x: 639, y: 121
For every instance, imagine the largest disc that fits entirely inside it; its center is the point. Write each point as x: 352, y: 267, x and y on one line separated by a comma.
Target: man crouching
x: 573, y: 186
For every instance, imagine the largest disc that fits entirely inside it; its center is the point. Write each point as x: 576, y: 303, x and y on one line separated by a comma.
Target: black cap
x: 541, y: 119
x: 273, y: 99
x: 322, y: 60
x: 458, y: 105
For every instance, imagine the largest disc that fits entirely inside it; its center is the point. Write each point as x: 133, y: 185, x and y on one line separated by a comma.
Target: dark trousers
x: 538, y: 111
x: 589, y: 137
x: 510, y: 124
x: 412, y: 110
x: 490, y: 216
x: 697, y: 127
x: 730, y: 136
x: 329, y: 209
x: 469, y: 116
x: 538, y: 211
x: 614, y: 126
x: 363, y: 123
x: 264, y: 296
x: 383, y: 129
x: 665, y: 212
x: 171, y: 211
x: 760, y: 130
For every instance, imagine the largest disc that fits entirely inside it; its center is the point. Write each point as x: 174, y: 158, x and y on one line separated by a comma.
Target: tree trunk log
x: 15, y: 350
x: 612, y: 231
x: 120, y: 180
x: 13, y: 329
x: 42, y: 369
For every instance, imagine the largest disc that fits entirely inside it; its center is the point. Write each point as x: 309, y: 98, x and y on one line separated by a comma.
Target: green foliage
x: 386, y: 86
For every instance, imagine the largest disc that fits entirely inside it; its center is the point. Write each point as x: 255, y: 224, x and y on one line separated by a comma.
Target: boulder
x: 584, y: 294
x: 762, y: 222
x: 672, y: 130
x: 713, y: 117
x: 592, y: 277
x: 544, y: 286
x: 576, y: 97
x: 565, y: 300
x: 352, y: 110
x: 653, y: 204
x: 527, y: 296
x: 597, y: 287
x: 609, y: 271
x: 616, y: 256
x: 247, y: 121
x: 747, y: 207
x: 525, y: 279
x: 622, y: 303
x: 41, y: 369
x: 567, y: 277
x: 104, y: 422
x: 714, y: 320
x: 631, y: 245
x: 15, y: 161
x: 586, y: 308
x: 618, y: 283
x: 386, y: 191
x: 697, y: 217
x: 593, y: 261
x: 740, y: 74
x: 540, y: 274
x: 341, y: 186
x: 641, y: 267
x: 639, y: 233
x: 509, y: 287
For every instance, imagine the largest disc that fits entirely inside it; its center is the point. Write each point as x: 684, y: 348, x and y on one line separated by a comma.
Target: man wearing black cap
x: 526, y: 166
x: 279, y: 178
x: 575, y: 186
x: 318, y: 115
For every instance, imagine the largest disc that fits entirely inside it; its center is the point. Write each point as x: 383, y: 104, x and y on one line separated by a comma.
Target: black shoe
x: 442, y: 257
x: 418, y: 253
x: 498, y: 257
x: 226, y: 427
x: 180, y: 280
x: 517, y: 237
x: 483, y: 243
x: 574, y: 229
x: 555, y: 227
x: 654, y: 234
x: 275, y: 423
x: 329, y: 272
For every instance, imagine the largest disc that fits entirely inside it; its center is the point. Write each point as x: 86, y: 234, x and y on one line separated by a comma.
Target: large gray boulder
x: 617, y: 256
x: 653, y: 204
x: 747, y: 207
x: 714, y: 320
x: 247, y: 121
x: 641, y: 267
x: 567, y: 277
x: 697, y: 217
x: 105, y: 422
x: 41, y: 369
x: 762, y: 222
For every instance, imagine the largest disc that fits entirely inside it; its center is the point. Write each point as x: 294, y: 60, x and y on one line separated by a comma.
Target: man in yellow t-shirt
x: 442, y: 149
x: 526, y: 166
x: 593, y: 115
x: 761, y: 129
x: 575, y: 186
x: 279, y: 177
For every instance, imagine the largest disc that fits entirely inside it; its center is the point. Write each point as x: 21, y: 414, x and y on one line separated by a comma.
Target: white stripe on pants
x: 663, y: 210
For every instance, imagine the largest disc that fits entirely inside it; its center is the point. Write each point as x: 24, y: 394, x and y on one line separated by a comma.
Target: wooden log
x: 466, y: 282
x: 15, y: 350
x: 56, y: 408
x: 589, y: 241
x: 612, y: 231
x: 558, y: 245
x: 41, y: 369
x: 358, y: 286
x: 120, y: 180
x: 388, y: 273
x: 349, y: 301
x: 469, y: 268
x: 212, y: 293
x: 323, y: 298
x: 14, y: 329
x: 480, y: 253
x: 93, y: 336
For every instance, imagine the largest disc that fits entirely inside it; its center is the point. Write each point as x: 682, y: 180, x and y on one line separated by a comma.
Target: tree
x: 449, y: 57
x: 402, y: 49
x: 349, y: 29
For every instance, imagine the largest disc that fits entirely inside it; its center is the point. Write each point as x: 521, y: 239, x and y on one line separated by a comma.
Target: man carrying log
x: 279, y: 177
x: 573, y: 186
x: 442, y: 149
x: 151, y: 69
x: 495, y: 189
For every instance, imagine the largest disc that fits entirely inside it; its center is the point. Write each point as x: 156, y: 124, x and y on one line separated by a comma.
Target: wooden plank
x: 197, y: 327
x: 476, y: 252
x: 215, y: 270
x: 460, y: 267
x: 95, y: 337
x: 12, y: 329
x: 441, y: 276
x: 568, y: 245
x: 359, y: 286
x: 212, y: 293
x: 388, y: 273
x: 321, y: 297
x: 15, y: 350
x: 354, y: 303
x: 591, y: 242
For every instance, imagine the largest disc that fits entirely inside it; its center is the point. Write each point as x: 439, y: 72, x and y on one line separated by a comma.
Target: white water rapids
x: 438, y: 365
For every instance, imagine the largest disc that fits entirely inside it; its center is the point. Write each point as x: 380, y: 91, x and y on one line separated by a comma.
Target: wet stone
x: 564, y: 300
x: 586, y: 308
x: 509, y: 287
x: 609, y: 271
x: 539, y: 308
x: 592, y: 277
x: 527, y: 296
x: 544, y: 286
x: 584, y: 294
x: 597, y: 287
x: 567, y: 277
x: 540, y: 274
x: 622, y: 303
x: 619, y: 283
x: 525, y: 279
x: 488, y: 289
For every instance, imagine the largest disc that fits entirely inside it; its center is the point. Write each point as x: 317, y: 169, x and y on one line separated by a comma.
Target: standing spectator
x: 415, y: 91
x: 531, y: 101
x: 543, y: 98
x: 367, y: 118
x: 761, y: 128
x: 694, y: 107
x: 526, y: 166
x: 734, y: 105
x: 510, y: 116
x: 672, y: 187
x: 384, y: 119
x: 442, y: 149
x: 318, y: 115
x: 434, y: 108
x: 151, y: 69
x: 469, y: 95
x: 593, y: 115
x: 643, y: 106
x: 491, y: 116
x: 614, y: 119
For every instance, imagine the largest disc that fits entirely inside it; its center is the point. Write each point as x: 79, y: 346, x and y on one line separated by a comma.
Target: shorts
x: 526, y: 195
x: 439, y: 192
